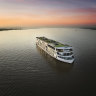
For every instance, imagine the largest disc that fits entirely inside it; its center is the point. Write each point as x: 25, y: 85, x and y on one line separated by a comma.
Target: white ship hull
x: 67, y: 61
x: 53, y: 53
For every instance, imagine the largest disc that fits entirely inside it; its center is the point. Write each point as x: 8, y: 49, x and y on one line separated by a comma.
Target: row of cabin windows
x: 61, y: 50
x: 68, y: 49
x: 65, y: 54
x: 51, y: 47
x: 66, y: 58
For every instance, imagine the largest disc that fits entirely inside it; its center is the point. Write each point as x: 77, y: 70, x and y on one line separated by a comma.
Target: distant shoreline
x: 91, y: 28
x: 7, y: 29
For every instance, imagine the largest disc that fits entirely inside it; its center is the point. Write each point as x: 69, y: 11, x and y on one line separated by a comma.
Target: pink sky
x: 47, y: 12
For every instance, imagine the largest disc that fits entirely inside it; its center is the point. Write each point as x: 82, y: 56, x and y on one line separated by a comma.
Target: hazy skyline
x: 47, y: 12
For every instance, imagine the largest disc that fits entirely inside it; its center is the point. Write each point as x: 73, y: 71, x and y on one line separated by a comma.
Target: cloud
x: 78, y: 10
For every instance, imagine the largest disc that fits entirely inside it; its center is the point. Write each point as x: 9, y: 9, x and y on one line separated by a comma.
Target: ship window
x: 51, y: 47
x: 67, y: 54
x: 59, y: 50
x: 66, y: 58
x: 71, y: 50
x: 68, y: 49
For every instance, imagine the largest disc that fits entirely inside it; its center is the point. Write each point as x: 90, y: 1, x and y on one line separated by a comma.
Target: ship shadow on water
x: 55, y: 64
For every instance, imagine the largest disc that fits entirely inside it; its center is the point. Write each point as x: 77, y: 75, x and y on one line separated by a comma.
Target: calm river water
x: 26, y: 70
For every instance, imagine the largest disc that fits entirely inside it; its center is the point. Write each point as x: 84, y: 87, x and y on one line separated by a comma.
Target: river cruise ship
x: 59, y: 51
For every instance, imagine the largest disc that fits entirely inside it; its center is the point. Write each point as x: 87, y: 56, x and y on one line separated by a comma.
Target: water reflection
x: 56, y: 65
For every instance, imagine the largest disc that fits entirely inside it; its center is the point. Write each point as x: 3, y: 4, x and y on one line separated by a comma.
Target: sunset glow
x: 47, y: 12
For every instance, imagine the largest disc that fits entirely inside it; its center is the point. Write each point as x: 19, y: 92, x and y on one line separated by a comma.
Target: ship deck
x: 55, y: 43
